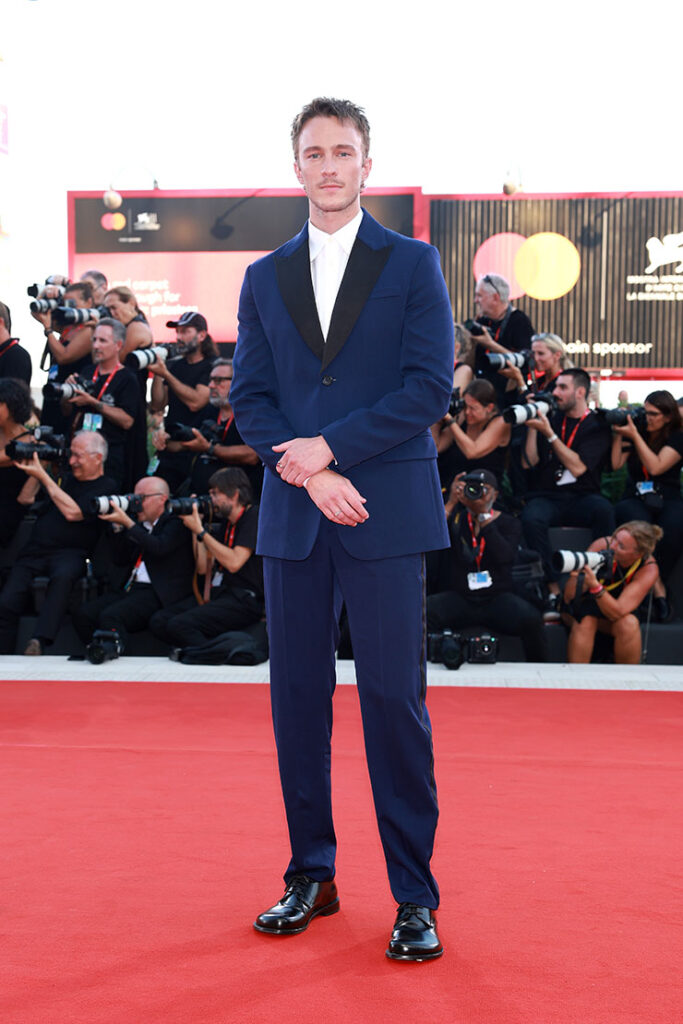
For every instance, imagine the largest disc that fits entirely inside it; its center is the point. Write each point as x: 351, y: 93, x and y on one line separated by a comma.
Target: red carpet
x: 143, y: 831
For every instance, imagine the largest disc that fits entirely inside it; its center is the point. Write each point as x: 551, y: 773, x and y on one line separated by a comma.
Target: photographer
x: 549, y: 359
x: 64, y: 533
x: 123, y: 306
x: 653, y: 451
x: 605, y: 601
x: 224, y: 554
x: 111, y: 403
x: 182, y: 384
x: 221, y: 444
x: 484, y: 548
x: 566, y: 452
x: 98, y: 282
x: 157, y: 550
x: 14, y: 359
x: 477, y: 438
x: 15, y: 410
x: 501, y: 328
x: 69, y: 347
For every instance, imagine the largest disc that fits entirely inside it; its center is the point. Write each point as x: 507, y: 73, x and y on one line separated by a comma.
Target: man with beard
x: 224, y: 445
x: 183, y: 385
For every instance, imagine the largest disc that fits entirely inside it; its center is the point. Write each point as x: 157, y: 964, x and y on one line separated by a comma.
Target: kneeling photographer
x: 155, y: 548
x: 649, y: 441
x: 225, y: 556
x: 484, y: 549
x: 603, y: 592
x: 64, y: 533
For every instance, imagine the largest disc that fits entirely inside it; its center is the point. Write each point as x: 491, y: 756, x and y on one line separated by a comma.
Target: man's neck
x: 329, y: 222
x: 195, y: 356
x: 577, y: 410
x: 108, y: 365
x: 224, y: 412
x: 236, y: 513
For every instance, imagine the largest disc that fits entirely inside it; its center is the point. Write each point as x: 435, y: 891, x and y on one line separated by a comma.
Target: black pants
x: 194, y: 624
x: 127, y: 612
x: 540, y: 513
x: 502, y: 613
x: 62, y: 568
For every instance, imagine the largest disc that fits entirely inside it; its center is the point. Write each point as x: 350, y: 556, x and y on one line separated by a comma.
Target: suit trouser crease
x: 385, y: 605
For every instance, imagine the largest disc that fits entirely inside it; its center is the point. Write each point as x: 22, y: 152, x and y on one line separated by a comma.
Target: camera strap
x: 96, y: 376
x: 477, y: 546
x: 228, y: 423
x: 10, y: 343
x: 570, y: 440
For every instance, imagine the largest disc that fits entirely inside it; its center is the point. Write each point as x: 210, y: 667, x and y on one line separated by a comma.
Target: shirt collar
x: 346, y: 236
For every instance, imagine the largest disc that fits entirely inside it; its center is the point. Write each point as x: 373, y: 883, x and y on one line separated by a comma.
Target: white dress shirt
x: 329, y: 255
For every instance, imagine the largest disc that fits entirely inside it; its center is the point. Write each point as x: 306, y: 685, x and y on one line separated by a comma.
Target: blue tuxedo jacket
x: 372, y: 389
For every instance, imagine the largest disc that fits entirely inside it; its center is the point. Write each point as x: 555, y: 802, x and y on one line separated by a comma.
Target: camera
x: 56, y: 281
x: 130, y: 503
x: 474, y: 327
x: 44, y: 305
x: 45, y: 444
x: 181, y: 432
x: 66, y: 390
x: 64, y: 316
x: 141, y: 358
x: 572, y: 561
x: 184, y: 506
x: 456, y: 404
x: 617, y: 417
x: 105, y: 646
x: 544, y: 403
x: 473, y: 486
x: 501, y: 360
x: 452, y: 649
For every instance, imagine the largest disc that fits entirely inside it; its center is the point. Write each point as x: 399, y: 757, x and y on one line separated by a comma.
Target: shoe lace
x: 408, y: 910
x: 298, y: 884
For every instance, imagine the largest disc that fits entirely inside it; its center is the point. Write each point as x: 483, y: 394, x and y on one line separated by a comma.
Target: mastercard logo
x: 113, y: 221
x: 543, y: 266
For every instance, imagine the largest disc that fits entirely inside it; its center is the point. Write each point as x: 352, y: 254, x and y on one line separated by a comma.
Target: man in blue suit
x: 344, y: 358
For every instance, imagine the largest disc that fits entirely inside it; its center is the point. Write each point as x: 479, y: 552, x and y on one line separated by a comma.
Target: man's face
x: 223, y: 504
x: 153, y: 500
x: 98, y: 290
x: 219, y: 386
x: 330, y: 164
x: 189, y: 339
x: 86, y: 464
x: 105, y: 348
x: 487, y: 300
x: 77, y: 296
x: 565, y: 393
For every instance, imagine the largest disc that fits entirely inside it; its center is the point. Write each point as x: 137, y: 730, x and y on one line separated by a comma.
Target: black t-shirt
x: 190, y: 374
x: 497, y: 547
x: 242, y: 534
x: 590, y: 438
x: 15, y: 361
x: 121, y: 391
x: 513, y: 332
x: 669, y: 481
x: 52, y: 531
x: 452, y: 461
x: 204, y: 466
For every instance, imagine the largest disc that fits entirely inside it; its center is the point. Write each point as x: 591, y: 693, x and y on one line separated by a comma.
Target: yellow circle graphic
x: 547, y: 265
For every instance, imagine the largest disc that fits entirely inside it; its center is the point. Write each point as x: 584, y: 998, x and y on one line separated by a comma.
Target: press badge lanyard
x: 477, y: 546
x: 630, y: 572
x: 96, y: 375
x: 229, y: 423
x: 12, y: 342
x: 573, y: 433
x: 229, y: 538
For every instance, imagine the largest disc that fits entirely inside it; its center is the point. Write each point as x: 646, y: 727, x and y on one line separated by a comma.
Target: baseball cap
x: 481, y: 476
x: 189, y: 319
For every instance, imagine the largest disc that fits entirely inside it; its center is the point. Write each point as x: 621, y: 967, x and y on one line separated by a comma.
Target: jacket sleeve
x: 426, y: 366
x: 166, y: 537
x: 254, y: 394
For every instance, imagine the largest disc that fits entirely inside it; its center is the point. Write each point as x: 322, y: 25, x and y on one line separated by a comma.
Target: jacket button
x: 327, y: 380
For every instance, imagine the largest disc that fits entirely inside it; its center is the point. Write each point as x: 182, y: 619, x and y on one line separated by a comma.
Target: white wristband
x: 553, y: 437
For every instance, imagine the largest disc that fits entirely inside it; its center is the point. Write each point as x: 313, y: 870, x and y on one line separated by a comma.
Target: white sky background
x: 569, y: 97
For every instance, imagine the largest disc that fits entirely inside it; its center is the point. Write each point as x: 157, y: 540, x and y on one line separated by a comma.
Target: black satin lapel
x: 296, y: 288
x: 364, y: 267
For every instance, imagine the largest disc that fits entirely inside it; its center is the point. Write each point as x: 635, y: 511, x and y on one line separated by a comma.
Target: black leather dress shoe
x: 414, y: 936
x: 303, y: 900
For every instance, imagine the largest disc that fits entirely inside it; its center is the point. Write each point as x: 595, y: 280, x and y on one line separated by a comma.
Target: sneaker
x: 551, y: 610
x: 34, y: 647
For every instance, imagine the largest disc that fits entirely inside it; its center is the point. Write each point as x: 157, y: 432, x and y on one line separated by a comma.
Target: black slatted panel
x: 610, y: 235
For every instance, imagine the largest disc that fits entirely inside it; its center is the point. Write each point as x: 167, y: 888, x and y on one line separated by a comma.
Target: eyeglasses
x: 219, y: 378
x: 487, y: 279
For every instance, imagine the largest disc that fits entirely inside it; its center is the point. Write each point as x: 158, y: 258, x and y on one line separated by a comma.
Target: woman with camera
x: 652, y: 450
x: 605, y: 600
x: 123, y: 306
x: 477, y: 439
x: 15, y: 411
x: 550, y: 359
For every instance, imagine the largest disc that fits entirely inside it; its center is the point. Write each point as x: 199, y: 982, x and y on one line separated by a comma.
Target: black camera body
x: 618, y: 417
x: 105, y: 646
x: 46, y: 445
x: 209, y: 429
x: 452, y: 649
x: 474, y: 327
x: 456, y: 404
x: 184, y: 506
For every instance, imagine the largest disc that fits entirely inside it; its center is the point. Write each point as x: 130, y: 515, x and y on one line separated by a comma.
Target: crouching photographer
x: 603, y: 592
x: 479, y: 584
x: 157, y: 552
x: 64, y: 534
x: 224, y: 552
